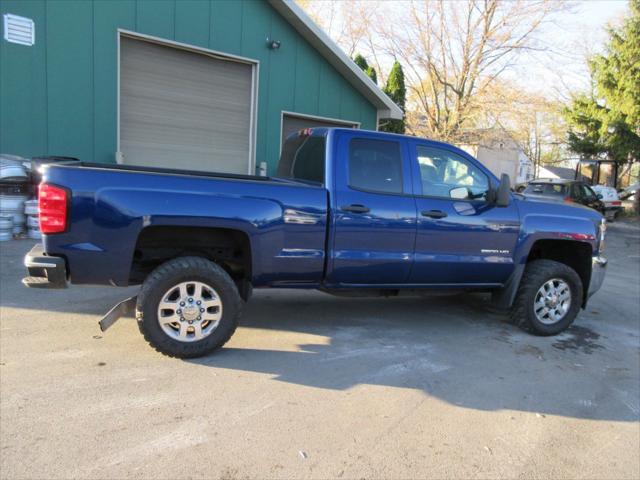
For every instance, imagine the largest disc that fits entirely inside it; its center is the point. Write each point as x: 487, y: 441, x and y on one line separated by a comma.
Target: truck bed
x: 113, y: 206
x: 166, y: 171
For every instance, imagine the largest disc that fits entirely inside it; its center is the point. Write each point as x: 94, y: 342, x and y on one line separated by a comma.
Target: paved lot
x: 320, y: 387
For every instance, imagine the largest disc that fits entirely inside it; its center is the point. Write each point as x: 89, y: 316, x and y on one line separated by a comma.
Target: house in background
x: 496, y: 149
x: 556, y: 172
x: 209, y: 85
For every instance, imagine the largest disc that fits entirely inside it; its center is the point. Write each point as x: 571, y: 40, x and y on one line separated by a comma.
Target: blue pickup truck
x: 350, y: 212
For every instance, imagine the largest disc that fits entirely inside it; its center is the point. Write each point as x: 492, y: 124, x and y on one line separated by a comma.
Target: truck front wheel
x: 548, y: 299
x: 188, y: 307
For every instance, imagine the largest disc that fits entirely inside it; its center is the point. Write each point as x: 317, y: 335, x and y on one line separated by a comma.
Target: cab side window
x: 587, y: 192
x: 375, y: 165
x: 576, y: 191
x: 446, y: 174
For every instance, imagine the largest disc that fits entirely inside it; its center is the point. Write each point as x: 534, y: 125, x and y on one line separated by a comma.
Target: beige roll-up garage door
x: 182, y: 109
x: 292, y: 123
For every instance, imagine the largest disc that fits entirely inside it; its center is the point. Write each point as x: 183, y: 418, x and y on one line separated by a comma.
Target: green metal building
x: 200, y: 84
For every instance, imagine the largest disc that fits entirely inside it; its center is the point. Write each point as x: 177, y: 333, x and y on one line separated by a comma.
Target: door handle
x: 354, y: 208
x: 433, y: 213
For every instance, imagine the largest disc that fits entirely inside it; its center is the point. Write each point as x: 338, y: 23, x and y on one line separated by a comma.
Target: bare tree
x: 346, y: 22
x: 453, y: 51
x: 533, y: 120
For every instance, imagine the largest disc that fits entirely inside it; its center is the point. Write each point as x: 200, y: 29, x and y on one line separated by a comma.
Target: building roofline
x: 311, y: 32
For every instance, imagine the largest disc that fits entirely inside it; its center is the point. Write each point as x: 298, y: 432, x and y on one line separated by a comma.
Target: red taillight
x: 568, y: 200
x: 52, y: 202
x: 616, y: 203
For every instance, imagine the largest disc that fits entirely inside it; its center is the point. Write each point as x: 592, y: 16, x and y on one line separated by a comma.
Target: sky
x: 571, y: 36
x: 575, y: 34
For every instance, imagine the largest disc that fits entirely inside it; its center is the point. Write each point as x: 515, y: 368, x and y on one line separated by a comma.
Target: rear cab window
x: 375, y: 165
x: 303, y: 158
x: 557, y: 189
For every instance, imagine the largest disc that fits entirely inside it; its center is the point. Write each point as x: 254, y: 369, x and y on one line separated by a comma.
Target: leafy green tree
x: 397, y: 91
x: 606, y: 123
x: 369, y: 70
x: 618, y: 71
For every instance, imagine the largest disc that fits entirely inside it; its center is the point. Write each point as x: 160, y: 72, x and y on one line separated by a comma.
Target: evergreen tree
x: 360, y: 61
x: 397, y: 92
x: 364, y: 66
x: 371, y: 72
x: 606, y: 123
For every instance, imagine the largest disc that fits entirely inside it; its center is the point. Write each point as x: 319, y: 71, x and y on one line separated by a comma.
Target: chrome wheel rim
x: 552, y: 301
x: 190, y: 311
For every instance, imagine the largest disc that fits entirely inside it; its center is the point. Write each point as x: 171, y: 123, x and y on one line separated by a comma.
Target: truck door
x: 373, y: 211
x: 461, y: 238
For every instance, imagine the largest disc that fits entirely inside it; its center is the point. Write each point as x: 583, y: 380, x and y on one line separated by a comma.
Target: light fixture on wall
x: 273, y: 44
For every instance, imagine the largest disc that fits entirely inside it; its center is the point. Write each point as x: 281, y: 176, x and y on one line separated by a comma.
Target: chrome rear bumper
x: 44, y: 271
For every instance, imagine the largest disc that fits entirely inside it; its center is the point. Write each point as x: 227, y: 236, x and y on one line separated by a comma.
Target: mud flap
x: 504, y: 297
x: 121, y: 309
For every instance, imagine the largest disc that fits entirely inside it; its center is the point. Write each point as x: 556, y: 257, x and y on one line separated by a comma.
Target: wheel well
x: 574, y: 254
x: 228, y: 248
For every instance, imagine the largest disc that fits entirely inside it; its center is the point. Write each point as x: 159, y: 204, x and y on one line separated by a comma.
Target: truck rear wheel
x: 188, y: 307
x: 548, y: 299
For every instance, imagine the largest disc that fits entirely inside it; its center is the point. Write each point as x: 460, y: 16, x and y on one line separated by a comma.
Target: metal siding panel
x: 256, y: 27
x: 82, y: 123
x: 107, y: 18
x: 183, y: 109
x: 226, y: 26
x: 192, y: 22
x: 307, y: 87
x: 368, y: 116
x: 70, y: 78
x: 23, y: 92
x: 282, y: 69
x: 330, y: 92
x: 156, y: 17
x: 350, y: 102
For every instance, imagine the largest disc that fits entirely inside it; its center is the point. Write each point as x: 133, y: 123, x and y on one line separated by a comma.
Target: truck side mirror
x: 502, y: 194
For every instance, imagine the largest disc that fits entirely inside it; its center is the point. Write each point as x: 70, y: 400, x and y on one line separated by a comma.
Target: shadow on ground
x: 455, y: 348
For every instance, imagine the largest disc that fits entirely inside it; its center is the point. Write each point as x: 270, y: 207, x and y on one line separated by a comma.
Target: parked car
x: 561, y: 190
x: 348, y: 212
x: 519, y: 188
x: 612, y: 203
x: 629, y: 191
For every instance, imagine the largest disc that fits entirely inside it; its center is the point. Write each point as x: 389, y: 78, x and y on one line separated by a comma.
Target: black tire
x: 173, y: 272
x: 536, y: 274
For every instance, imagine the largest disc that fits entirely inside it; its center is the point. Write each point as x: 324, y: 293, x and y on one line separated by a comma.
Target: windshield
x: 302, y: 158
x: 546, y: 189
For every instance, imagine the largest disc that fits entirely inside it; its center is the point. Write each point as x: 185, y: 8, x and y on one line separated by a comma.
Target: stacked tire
x: 14, y: 191
x: 6, y: 227
x: 33, y: 222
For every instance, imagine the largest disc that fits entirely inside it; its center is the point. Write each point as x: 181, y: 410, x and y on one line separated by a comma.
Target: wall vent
x: 19, y: 30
